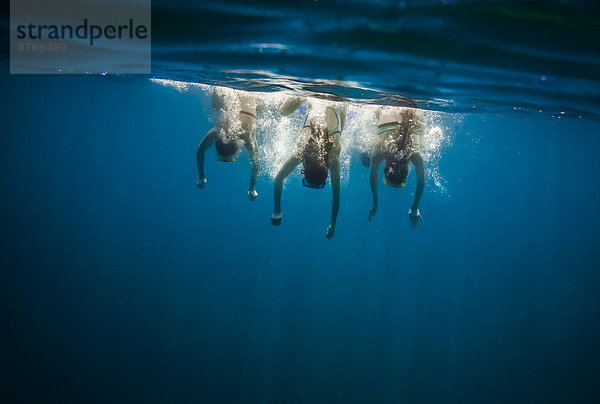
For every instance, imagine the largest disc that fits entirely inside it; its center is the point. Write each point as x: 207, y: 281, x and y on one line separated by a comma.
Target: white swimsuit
x: 306, y: 134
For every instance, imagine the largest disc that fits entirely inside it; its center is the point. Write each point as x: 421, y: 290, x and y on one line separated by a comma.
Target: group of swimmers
x: 318, y: 148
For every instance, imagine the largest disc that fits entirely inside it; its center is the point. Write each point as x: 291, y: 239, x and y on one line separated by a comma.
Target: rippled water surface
x: 447, y: 55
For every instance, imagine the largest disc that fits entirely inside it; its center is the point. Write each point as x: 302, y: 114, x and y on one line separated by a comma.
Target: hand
x: 252, y: 194
x: 201, y: 183
x: 276, y: 219
x: 330, y: 231
x: 372, y: 212
x: 415, y: 218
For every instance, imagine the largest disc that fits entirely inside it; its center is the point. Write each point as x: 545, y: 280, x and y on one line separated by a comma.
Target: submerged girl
x: 318, y: 149
x: 394, y: 144
x: 236, y: 124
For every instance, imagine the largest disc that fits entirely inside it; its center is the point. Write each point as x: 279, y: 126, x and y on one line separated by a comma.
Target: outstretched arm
x: 376, y: 159
x: 252, y: 147
x: 414, y: 214
x: 202, y: 148
x: 290, y: 105
x: 334, y: 167
x: 286, y: 170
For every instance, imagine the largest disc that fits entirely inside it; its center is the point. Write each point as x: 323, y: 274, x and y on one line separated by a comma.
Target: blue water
x: 123, y: 282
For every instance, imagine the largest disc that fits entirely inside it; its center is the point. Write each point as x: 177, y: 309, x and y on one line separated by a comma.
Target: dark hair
x: 408, y: 118
x: 396, y: 171
x: 226, y: 146
x: 398, y: 146
x: 315, y: 169
x: 316, y: 155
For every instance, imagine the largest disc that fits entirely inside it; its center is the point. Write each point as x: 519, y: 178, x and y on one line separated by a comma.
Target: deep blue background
x: 122, y: 281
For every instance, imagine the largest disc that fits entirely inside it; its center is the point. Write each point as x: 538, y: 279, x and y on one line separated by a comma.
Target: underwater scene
x: 310, y: 202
